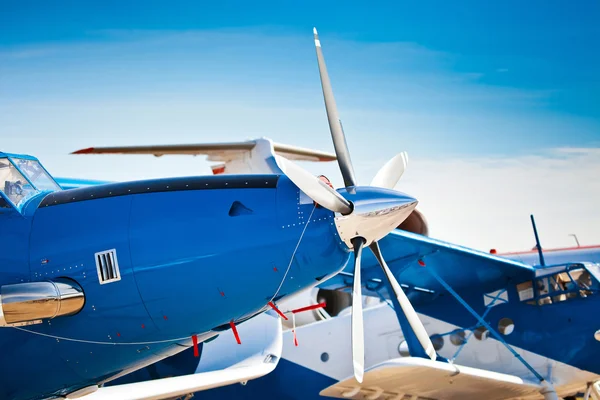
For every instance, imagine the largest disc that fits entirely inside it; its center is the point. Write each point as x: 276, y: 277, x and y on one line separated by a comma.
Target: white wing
x: 258, y: 360
x: 216, y: 151
x: 432, y: 380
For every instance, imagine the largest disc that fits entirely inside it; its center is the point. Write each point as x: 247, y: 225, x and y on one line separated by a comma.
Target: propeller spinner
x: 364, y: 214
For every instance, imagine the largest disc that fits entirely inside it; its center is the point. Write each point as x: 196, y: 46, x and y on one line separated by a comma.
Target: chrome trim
x: 376, y: 213
x: 32, y: 301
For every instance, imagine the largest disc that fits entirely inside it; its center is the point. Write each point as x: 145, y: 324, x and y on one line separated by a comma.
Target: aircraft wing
x: 215, y: 151
x: 181, y: 385
x: 460, y: 267
x: 433, y: 380
x: 252, y: 360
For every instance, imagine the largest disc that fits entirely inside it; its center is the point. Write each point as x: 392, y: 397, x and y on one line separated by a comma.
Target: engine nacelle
x: 415, y: 223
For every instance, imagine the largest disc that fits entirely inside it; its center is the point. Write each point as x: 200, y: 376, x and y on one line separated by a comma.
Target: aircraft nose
x: 376, y: 213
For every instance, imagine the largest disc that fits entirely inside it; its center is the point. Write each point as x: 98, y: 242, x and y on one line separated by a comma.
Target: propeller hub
x: 376, y: 212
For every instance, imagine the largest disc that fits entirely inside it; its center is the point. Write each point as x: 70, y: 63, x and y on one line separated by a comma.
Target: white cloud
x: 486, y: 202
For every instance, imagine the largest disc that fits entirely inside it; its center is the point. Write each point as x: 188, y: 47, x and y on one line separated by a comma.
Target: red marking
x: 218, y: 169
x: 118, y: 334
x: 274, y: 307
x: 195, y: 341
x: 165, y: 317
x: 295, y: 339
x: 84, y: 151
x: 143, y: 326
x: 421, y: 263
x: 235, y: 332
x: 275, y: 269
x: 222, y: 294
x: 534, y: 250
x: 308, y: 308
x: 493, y: 251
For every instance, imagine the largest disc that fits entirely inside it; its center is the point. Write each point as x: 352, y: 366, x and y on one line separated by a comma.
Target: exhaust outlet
x: 27, y: 302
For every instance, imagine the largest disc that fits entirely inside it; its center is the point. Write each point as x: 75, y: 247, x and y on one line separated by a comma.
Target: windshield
x: 36, y: 174
x: 13, y: 184
x: 17, y: 187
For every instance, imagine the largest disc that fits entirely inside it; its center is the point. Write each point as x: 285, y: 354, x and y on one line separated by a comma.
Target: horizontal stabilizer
x: 215, y: 151
x: 420, y: 378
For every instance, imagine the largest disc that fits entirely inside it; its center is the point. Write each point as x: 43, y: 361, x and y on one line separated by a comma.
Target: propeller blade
x: 407, y: 308
x: 335, y: 126
x: 358, y: 339
x: 314, y: 188
x: 389, y: 175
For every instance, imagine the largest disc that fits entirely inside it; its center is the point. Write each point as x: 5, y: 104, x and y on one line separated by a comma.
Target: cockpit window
x: 582, y: 280
x: 22, y: 178
x: 36, y: 174
x: 572, y: 282
x: 13, y: 184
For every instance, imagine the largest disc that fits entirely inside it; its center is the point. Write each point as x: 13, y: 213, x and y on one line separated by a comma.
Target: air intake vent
x: 108, y: 266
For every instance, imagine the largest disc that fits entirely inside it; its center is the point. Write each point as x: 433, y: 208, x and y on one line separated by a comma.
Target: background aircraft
x: 323, y: 357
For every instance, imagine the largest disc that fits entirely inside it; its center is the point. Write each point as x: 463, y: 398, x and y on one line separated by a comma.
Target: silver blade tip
x: 315, y: 31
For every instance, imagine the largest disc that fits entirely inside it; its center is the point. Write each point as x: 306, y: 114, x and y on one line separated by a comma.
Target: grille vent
x: 108, y: 266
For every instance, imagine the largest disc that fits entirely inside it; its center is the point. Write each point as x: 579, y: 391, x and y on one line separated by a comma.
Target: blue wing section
x: 462, y: 268
x: 74, y: 183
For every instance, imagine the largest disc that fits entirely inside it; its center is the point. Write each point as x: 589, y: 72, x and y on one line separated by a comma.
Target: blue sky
x: 473, y: 84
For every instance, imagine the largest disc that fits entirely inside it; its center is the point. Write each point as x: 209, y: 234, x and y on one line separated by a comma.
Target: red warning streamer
x: 195, y: 341
x: 274, y: 307
x: 235, y: 332
x: 308, y: 308
x: 294, y: 330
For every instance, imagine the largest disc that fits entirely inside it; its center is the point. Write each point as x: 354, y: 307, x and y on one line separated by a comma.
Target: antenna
x: 537, y: 242
x: 575, y: 237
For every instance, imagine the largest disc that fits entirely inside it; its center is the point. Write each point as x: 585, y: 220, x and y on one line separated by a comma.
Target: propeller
x: 391, y: 172
x: 314, y: 188
x: 364, y: 215
x: 335, y: 126
x: 358, y: 339
x: 407, y: 308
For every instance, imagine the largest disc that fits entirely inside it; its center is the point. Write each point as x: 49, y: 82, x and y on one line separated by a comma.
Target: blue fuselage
x: 193, y: 254
x: 563, y: 329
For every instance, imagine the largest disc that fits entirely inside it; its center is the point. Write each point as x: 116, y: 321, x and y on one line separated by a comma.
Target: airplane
x: 101, y: 280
